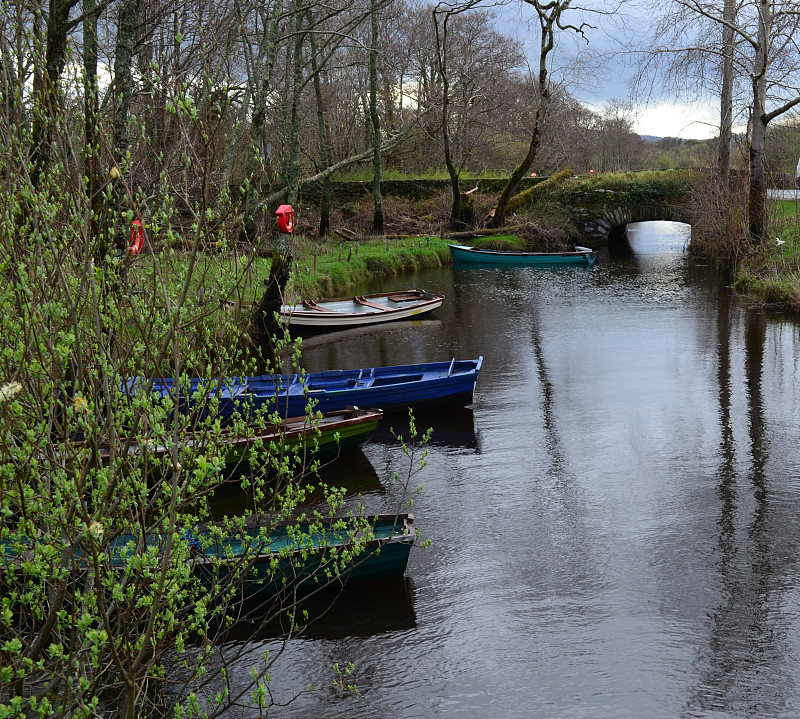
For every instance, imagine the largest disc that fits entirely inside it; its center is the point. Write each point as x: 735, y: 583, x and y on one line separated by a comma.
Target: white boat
x: 343, y: 312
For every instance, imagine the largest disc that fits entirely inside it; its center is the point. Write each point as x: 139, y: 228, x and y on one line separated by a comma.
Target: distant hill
x: 673, y: 140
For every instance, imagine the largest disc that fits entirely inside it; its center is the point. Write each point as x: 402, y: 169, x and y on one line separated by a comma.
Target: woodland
x: 198, y: 119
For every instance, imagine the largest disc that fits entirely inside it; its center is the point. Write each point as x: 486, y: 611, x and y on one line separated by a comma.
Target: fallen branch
x: 490, y: 232
x: 541, y: 188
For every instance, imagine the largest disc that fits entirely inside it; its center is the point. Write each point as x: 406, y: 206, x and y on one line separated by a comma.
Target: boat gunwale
x: 405, y: 519
x: 316, y: 310
x: 402, y: 532
x: 519, y: 253
x: 350, y: 416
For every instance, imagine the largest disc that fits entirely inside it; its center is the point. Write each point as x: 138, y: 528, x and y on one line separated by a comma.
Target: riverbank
x: 332, y: 267
x: 770, y: 275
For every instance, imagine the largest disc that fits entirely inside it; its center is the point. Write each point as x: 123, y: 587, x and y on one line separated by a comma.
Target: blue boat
x: 392, y: 389
x: 463, y: 255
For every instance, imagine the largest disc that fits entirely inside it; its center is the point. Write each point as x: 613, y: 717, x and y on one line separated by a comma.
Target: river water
x: 614, y: 523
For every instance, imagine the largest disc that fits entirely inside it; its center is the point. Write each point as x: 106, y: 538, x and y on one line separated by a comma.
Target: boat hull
x: 324, y: 438
x: 392, y: 389
x: 462, y: 255
x: 360, y: 311
x: 309, y: 560
x: 245, y: 563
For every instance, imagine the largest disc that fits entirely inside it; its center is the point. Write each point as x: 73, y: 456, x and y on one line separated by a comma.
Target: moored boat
x: 344, y: 312
x: 392, y: 388
x: 308, y: 556
x: 464, y: 255
x: 244, y: 558
x: 323, y: 437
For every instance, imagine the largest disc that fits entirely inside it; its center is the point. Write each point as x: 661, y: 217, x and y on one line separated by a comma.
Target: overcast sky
x: 596, y: 83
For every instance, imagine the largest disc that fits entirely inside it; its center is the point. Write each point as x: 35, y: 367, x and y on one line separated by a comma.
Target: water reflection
x: 366, y: 609
x: 353, y: 472
x: 419, y: 327
x: 454, y: 428
x: 620, y: 538
x: 733, y: 678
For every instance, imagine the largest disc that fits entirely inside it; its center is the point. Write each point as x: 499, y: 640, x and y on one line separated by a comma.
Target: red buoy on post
x: 285, y: 215
x: 137, y: 238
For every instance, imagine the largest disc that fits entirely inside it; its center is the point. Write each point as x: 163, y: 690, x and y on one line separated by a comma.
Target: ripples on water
x: 614, y: 522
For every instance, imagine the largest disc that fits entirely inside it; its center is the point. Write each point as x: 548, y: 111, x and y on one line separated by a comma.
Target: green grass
x: 225, y: 284
x: 771, y: 276
x: 332, y: 268
x: 499, y: 242
x: 784, y: 212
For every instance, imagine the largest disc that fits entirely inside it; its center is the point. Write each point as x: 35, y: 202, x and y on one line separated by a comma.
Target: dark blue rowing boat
x: 392, y: 389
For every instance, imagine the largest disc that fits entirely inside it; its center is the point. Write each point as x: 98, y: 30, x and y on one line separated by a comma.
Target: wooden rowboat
x: 462, y: 255
x: 249, y: 557
x: 302, y: 558
x: 344, y: 312
x: 326, y: 437
x: 392, y: 388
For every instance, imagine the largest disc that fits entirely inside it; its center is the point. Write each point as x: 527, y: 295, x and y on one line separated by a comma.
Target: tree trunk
x: 123, y: 91
x: 726, y: 96
x: 9, y: 85
x: 265, y: 327
x: 377, y: 218
x: 55, y: 59
x: 549, y: 18
x: 757, y: 200
x: 260, y: 89
x: 293, y: 173
x: 461, y: 206
x: 91, y: 120
x: 325, y: 203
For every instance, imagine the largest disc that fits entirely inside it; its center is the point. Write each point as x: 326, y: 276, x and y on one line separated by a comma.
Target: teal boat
x: 463, y: 255
x: 295, y: 557
x: 249, y: 558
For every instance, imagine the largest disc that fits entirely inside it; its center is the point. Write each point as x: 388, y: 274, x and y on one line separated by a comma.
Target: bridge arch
x: 607, y: 222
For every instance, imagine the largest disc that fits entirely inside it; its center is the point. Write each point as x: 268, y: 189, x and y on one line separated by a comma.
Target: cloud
x: 672, y: 119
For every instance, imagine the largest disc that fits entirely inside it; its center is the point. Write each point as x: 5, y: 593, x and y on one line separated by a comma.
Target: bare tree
x: 474, y: 65
x: 750, y: 46
x: 550, y: 19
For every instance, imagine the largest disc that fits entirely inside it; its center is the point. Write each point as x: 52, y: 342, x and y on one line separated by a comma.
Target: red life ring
x: 285, y: 215
x: 137, y: 238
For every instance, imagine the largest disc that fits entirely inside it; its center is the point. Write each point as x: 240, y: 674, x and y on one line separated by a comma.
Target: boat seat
x: 374, y: 305
x: 405, y: 297
x: 361, y: 382
x: 311, y: 305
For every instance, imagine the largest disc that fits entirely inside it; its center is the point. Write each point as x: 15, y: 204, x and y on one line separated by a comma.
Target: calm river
x: 615, y: 522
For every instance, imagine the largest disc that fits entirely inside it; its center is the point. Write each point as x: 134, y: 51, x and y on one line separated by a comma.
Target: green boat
x: 326, y: 437
x: 463, y: 255
x: 242, y: 559
x: 299, y: 558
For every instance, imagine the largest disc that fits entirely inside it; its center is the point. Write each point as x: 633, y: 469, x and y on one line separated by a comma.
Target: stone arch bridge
x: 598, y: 207
x: 600, y: 212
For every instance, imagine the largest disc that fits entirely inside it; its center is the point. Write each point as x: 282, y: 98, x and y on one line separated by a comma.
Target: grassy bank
x: 770, y: 275
x: 331, y: 268
x: 224, y: 285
